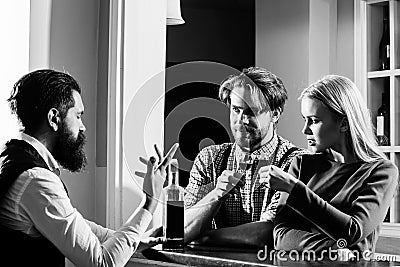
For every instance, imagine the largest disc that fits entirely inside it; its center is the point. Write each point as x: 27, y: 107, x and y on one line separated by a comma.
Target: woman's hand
x: 155, y: 176
x: 277, y: 178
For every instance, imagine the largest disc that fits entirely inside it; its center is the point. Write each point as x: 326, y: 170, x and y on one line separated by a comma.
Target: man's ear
x: 53, y: 118
x: 344, y: 127
x: 276, y: 114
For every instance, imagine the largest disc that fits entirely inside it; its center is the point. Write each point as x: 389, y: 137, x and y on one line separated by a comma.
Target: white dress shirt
x: 37, y: 204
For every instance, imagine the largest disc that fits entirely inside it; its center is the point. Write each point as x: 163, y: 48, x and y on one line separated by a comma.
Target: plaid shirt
x: 256, y: 201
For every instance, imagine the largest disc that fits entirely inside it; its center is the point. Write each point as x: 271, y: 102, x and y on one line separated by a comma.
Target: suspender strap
x: 287, y: 154
x: 225, y: 156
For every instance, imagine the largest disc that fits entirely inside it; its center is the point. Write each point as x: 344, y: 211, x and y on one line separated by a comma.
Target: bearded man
x: 38, y: 224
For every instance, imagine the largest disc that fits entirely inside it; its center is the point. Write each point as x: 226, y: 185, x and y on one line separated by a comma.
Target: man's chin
x: 243, y: 143
x: 243, y: 135
x: 76, y: 169
x: 74, y: 163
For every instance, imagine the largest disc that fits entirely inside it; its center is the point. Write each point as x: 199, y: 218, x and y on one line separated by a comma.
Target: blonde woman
x: 342, y: 192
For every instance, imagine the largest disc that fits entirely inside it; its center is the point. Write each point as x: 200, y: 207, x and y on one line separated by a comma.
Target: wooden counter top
x: 218, y: 256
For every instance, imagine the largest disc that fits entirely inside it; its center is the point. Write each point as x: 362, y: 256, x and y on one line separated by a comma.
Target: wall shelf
x: 383, y: 73
x: 369, y: 15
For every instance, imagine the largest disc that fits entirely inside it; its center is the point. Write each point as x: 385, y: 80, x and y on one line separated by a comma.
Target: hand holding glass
x: 277, y: 178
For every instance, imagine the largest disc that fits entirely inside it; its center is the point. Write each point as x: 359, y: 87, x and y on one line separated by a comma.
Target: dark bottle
x: 384, y: 44
x: 382, y: 122
x: 174, y: 213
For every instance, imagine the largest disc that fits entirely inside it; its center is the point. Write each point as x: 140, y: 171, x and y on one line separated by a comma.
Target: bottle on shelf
x: 384, y: 44
x: 382, y: 121
x: 173, y: 210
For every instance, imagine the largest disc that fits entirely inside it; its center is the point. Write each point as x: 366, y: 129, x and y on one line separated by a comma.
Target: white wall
x: 143, y: 93
x: 14, y: 54
x: 136, y: 110
x: 73, y: 49
x: 101, y: 113
x: 301, y: 41
x: 39, y: 35
x: 282, y: 46
x: 345, y: 39
x: 322, y: 35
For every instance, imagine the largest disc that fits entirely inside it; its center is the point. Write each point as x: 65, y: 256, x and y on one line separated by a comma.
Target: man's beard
x: 68, y: 151
x: 247, y: 138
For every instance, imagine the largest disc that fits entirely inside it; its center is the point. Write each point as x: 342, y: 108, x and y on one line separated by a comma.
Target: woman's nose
x: 306, y: 130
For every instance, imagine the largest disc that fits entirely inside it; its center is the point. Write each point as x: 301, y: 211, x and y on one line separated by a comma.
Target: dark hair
x: 39, y: 91
x: 258, y: 80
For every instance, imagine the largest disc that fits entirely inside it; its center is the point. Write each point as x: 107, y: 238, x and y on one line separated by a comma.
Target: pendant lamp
x: 174, y: 16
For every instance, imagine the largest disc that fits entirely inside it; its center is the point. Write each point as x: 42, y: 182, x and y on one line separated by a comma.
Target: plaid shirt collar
x: 266, y: 149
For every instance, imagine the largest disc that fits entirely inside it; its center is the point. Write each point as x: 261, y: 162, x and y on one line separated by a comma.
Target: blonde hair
x: 342, y: 96
x: 266, y: 88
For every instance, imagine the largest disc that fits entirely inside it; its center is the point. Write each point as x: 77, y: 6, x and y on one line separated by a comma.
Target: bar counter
x: 217, y: 256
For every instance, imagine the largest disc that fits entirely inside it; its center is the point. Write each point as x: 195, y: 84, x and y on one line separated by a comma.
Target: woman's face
x: 321, y: 126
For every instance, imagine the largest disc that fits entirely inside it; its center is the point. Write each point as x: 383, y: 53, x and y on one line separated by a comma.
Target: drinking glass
x: 244, y: 162
x: 254, y: 162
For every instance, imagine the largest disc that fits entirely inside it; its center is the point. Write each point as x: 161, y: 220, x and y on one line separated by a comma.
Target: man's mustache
x: 244, y: 128
x: 81, y: 140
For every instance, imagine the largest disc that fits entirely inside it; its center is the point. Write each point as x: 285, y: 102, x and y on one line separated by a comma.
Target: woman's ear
x: 53, y: 119
x: 344, y: 127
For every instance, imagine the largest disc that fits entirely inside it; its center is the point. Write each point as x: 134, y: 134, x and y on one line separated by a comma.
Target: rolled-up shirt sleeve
x: 200, y: 182
x: 84, y: 243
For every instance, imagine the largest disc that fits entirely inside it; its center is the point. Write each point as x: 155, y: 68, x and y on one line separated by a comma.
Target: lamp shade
x: 174, y: 16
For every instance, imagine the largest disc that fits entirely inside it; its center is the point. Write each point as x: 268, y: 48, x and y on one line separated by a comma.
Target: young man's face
x: 250, y: 126
x: 69, y: 146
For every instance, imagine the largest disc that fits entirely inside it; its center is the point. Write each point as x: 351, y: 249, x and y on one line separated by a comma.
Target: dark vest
x: 17, y: 248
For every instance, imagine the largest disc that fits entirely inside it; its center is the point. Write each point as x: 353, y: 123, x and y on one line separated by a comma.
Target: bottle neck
x: 385, y: 26
x: 173, y: 178
x: 384, y: 99
x: 386, y: 17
